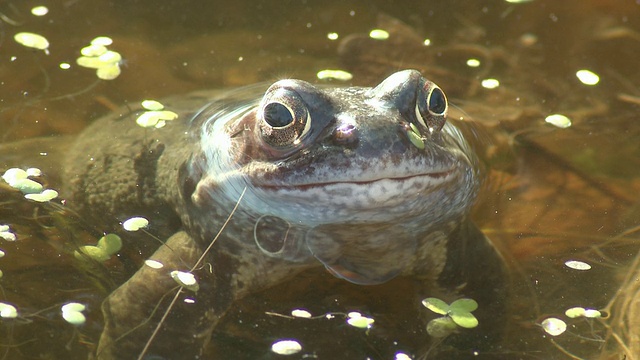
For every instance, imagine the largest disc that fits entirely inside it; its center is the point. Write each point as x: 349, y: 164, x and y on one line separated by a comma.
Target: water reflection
x: 554, y: 194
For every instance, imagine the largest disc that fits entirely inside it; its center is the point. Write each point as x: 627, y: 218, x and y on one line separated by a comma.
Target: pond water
x: 552, y: 194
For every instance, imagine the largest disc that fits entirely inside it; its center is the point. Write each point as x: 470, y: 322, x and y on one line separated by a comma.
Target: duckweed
x: 575, y: 312
x: 456, y: 314
x: 152, y: 105
x: 93, y: 252
x: 379, y: 34
x: 39, y: 10
x: 414, y: 136
x: 72, y: 313
x: 135, y: 224
x: 156, y: 119
x: 587, y: 77
x: 554, y: 326
x: 185, y: 279
x: 110, y: 243
x: 32, y: 40
x: 490, y: 83
x: 107, y: 246
x: 334, y: 74
x: 558, y: 120
x: 301, y: 313
x: 577, y: 265
x: 286, y: 347
x: 97, y: 56
x: 153, y: 264
x: 44, y: 196
x: 6, y: 234
x: 401, y: 356
x: 8, y: 311
x: 356, y: 319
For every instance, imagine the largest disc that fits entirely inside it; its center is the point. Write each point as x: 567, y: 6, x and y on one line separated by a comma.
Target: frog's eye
x: 431, y: 107
x: 437, y: 102
x: 284, y: 118
x: 277, y: 115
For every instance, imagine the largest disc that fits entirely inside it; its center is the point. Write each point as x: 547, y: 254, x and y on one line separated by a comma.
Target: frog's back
x: 119, y: 168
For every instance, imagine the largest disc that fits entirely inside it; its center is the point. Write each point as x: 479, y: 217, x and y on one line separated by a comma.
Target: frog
x: 255, y: 187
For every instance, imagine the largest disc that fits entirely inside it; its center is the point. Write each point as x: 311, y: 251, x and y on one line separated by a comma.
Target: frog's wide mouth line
x: 430, y: 179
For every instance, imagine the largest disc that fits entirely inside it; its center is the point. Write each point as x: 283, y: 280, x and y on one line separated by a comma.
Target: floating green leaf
x: 463, y: 305
x: 152, y: 105
x: 554, y: 326
x: 135, y: 223
x: 185, y: 279
x: 31, y: 40
x: 436, y: 305
x: 153, y: 264
x: 574, y: 312
x: 44, y: 196
x: 72, y: 313
x: 301, y: 313
x: 8, y: 311
x: 356, y: 319
x: 464, y: 319
x: 286, y: 347
x: 27, y: 186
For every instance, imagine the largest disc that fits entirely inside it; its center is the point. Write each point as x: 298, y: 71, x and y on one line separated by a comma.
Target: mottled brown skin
x: 293, y: 177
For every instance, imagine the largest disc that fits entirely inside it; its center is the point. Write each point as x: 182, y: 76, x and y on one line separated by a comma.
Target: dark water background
x: 552, y: 195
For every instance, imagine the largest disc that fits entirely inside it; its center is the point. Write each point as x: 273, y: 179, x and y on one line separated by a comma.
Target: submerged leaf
x: 441, y: 327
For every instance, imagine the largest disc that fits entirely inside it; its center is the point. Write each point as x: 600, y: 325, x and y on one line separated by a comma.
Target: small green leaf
x: 464, y: 319
x: 8, y: 311
x: 592, y: 313
x: 74, y: 317
x: 27, y: 186
x: 463, y: 305
x: 286, y: 347
x: 135, y: 223
x: 554, y: 326
x: 415, y: 139
x: 436, y: 305
x: 362, y: 322
x: 152, y: 105
x: 574, y: 312
x: 186, y: 279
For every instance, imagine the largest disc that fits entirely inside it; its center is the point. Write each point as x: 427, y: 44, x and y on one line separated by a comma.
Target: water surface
x: 552, y: 194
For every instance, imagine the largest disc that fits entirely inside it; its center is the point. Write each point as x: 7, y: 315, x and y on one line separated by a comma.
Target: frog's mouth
x: 362, y: 195
x: 443, y: 175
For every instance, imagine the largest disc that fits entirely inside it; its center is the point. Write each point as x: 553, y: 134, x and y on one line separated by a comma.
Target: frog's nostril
x: 346, y: 134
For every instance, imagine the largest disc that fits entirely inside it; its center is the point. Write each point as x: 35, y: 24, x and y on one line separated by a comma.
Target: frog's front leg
x: 132, y: 312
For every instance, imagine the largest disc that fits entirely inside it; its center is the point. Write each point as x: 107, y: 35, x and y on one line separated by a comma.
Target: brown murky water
x: 552, y: 194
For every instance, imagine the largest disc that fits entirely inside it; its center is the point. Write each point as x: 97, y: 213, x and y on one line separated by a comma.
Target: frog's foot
x: 133, y: 311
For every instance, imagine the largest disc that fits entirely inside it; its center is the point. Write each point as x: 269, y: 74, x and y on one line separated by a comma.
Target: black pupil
x: 277, y: 115
x: 437, y: 102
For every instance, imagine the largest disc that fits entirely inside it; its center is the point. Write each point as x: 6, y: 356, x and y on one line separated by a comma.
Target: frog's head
x: 354, y: 176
